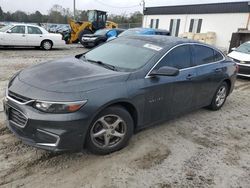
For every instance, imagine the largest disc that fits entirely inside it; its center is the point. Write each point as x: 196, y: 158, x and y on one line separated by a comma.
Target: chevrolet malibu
x: 98, y: 99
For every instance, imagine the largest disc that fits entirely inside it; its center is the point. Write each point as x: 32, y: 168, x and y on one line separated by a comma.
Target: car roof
x: 25, y: 24
x: 120, y: 29
x: 147, y: 29
x: 141, y: 29
x: 160, y: 40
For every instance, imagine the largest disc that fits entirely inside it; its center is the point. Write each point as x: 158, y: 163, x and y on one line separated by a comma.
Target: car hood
x: 92, y: 35
x: 69, y: 75
x: 239, y: 56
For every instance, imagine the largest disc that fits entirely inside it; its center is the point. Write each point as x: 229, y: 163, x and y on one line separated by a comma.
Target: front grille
x: 244, y: 70
x: 17, y: 97
x: 17, y: 117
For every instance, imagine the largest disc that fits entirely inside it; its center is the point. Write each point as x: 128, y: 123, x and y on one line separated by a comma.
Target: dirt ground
x: 200, y: 149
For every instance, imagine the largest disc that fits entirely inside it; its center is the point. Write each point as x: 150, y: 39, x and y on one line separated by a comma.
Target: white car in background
x: 30, y: 36
x: 241, y: 56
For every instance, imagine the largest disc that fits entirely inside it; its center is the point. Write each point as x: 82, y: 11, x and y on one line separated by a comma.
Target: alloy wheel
x: 221, y: 96
x: 108, y: 131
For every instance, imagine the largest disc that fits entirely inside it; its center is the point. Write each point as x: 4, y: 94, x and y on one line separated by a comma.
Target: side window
x: 217, y: 56
x: 203, y: 55
x: 154, y: 23
x: 174, y: 27
x: 179, y: 57
x: 195, y: 25
x: 34, y: 30
x: 18, y: 29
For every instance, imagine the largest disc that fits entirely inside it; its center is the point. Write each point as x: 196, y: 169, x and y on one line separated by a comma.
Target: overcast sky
x: 116, y: 6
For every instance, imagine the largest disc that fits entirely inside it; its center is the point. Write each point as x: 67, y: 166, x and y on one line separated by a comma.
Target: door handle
x: 190, y: 76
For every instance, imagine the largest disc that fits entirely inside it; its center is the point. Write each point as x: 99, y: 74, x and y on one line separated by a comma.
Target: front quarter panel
x: 104, y: 96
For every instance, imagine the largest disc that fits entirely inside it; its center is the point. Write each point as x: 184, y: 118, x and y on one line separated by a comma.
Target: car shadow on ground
x: 242, y: 78
x: 66, y: 47
x: 29, y: 49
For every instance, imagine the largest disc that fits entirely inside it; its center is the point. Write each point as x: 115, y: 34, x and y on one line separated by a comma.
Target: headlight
x: 58, y: 107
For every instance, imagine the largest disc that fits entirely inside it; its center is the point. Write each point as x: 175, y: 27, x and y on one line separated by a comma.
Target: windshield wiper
x: 111, y: 67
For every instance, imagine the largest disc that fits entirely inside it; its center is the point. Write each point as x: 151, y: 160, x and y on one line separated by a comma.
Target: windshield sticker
x: 153, y: 47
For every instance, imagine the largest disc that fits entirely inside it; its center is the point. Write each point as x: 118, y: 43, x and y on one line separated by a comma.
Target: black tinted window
x: 18, y: 29
x: 217, y: 56
x: 34, y: 30
x: 179, y: 57
x: 203, y: 55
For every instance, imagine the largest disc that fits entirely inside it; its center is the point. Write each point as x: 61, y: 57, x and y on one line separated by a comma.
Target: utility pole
x: 143, y: 5
x: 143, y: 9
x: 74, y: 8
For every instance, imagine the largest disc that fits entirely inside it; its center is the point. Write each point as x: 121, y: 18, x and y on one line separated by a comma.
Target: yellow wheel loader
x: 96, y: 20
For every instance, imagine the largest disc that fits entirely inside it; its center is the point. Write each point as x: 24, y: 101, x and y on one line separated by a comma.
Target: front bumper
x: 89, y: 43
x: 244, y: 70
x: 54, y: 132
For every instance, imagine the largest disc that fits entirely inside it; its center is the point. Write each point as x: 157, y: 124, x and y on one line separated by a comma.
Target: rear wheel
x: 220, y: 97
x: 110, y: 131
x: 46, y: 45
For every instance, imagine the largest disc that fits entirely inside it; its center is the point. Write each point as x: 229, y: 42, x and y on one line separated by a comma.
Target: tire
x: 220, y: 97
x: 46, y: 45
x: 84, y: 32
x: 110, y: 131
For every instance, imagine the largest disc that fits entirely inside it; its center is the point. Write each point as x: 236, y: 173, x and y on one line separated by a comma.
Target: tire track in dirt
x: 25, y: 168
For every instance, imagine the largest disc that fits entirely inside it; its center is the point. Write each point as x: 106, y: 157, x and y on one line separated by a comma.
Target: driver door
x: 16, y: 36
x: 168, y: 96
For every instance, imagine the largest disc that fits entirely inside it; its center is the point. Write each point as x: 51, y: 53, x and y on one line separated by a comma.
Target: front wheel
x: 220, y: 97
x: 110, y: 131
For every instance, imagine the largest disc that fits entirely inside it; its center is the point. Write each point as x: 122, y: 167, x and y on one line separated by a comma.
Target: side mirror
x: 233, y: 49
x: 165, y: 71
x: 8, y: 31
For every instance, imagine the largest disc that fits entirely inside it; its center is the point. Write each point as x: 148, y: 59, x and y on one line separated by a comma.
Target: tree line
x: 58, y: 14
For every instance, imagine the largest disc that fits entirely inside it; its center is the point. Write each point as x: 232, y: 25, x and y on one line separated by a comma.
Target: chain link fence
x: 129, y: 25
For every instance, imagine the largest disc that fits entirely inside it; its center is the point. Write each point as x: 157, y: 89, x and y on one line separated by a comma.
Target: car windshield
x: 123, y: 54
x: 244, y: 48
x: 101, y: 32
x: 6, y: 28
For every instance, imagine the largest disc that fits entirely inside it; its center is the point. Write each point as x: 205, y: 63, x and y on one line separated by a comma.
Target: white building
x: 221, y: 18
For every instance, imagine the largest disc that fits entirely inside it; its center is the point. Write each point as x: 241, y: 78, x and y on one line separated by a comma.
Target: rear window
x: 205, y: 55
x: 34, y: 30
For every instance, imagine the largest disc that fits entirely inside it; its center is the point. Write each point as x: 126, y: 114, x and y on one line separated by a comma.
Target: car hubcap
x: 108, y: 131
x: 47, y: 45
x: 221, y: 96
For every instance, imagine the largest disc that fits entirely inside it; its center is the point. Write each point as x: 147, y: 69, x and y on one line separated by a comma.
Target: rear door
x: 209, y: 72
x: 34, y: 36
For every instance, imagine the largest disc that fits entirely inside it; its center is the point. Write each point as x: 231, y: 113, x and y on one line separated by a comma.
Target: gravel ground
x: 200, y: 149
